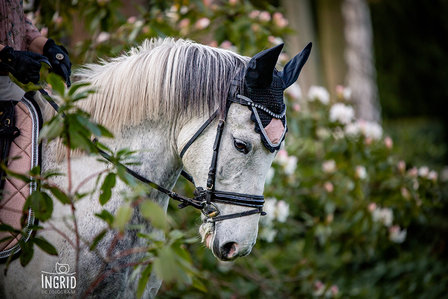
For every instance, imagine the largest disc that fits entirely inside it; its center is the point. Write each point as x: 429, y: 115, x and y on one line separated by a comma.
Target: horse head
x: 234, y: 169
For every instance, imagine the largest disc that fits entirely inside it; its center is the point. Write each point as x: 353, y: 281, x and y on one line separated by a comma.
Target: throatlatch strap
x: 196, y: 135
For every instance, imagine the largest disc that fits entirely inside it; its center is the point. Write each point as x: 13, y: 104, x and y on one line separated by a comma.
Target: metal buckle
x: 210, y: 210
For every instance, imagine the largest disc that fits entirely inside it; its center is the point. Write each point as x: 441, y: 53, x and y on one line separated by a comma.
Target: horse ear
x: 292, y: 69
x: 261, y: 67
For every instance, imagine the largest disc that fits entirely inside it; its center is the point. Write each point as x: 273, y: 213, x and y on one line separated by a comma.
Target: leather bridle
x: 205, y: 199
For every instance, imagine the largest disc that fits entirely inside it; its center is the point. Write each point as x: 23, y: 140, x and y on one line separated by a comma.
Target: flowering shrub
x: 345, y: 216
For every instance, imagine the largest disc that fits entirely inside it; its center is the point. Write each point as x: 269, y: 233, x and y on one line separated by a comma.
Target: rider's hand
x: 58, y: 57
x: 23, y: 65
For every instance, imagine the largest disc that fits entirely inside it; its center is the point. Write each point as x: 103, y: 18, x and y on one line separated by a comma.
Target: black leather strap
x: 198, y: 133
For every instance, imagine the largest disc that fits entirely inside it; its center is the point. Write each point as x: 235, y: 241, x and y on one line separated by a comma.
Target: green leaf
x: 166, y: 266
x: 45, y: 246
x: 106, y: 188
x: 154, y: 213
x: 41, y: 204
x: 106, y: 216
x: 59, y: 194
x: 199, y: 285
x: 143, y: 280
x: 52, y: 129
x: 16, y: 175
x: 27, y: 252
x: 57, y: 84
x: 97, y: 239
x: 122, y: 217
x: 75, y: 86
x: 6, y: 228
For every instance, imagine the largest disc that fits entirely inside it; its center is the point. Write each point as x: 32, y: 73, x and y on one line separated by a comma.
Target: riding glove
x: 23, y: 65
x: 58, y: 57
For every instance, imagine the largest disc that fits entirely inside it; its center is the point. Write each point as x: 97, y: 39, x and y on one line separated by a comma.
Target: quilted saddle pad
x: 25, y: 150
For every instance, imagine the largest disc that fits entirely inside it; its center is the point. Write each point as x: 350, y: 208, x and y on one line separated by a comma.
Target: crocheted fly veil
x: 263, y: 93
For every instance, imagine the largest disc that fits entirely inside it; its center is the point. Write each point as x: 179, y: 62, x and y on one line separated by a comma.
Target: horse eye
x: 241, y: 146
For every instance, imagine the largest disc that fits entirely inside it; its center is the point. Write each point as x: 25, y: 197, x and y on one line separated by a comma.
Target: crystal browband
x: 248, y: 102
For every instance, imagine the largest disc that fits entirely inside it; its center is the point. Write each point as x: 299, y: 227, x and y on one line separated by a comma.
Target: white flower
x: 383, y: 215
x: 268, y: 234
x: 396, y: 234
x: 102, y: 37
x: 371, y: 129
x: 341, y: 113
x: 329, y: 166
x: 323, y: 133
x: 275, y: 210
x: 432, y: 175
x: 270, y: 175
x: 423, y: 171
x: 294, y: 91
x: 282, y: 211
x: 275, y: 40
x: 202, y: 23
x: 352, y: 129
x: 289, y: 163
x: 319, y: 93
x: 290, y: 166
x: 282, y: 157
x: 361, y: 172
x: 269, y: 207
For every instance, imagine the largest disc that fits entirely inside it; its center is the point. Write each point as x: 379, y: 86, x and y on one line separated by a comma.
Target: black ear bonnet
x: 264, y: 87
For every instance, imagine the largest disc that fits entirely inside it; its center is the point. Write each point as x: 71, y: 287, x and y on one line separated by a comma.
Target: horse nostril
x: 229, y: 250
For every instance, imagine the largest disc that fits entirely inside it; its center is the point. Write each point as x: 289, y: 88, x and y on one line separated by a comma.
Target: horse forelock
x: 162, y: 79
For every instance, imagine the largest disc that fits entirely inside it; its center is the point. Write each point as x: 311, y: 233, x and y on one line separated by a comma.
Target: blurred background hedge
x: 357, y: 208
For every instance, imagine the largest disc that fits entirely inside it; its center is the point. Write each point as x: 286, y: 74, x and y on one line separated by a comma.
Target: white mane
x: 161, y: 79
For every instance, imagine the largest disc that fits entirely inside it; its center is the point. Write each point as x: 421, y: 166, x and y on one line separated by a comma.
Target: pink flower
x: 44, y: 31
x: 401, y: 166
x: 265, y: 16
x: 328, y: 186
x: 131, y: 20
x: 254, y: 14
x: 405, y: 193
x: 233, y: 2
x: 255, y: 27
x: 372, y: 207
x: 184, y: 23
x: 319, y: 288
x: 226, y: 45
x: 202, y: 23
x: 413, y: 172
x: 296, y: 107
x: 213, y: 44
x: 334, y: 290
x: 388, y: 142
x: 279, y: 20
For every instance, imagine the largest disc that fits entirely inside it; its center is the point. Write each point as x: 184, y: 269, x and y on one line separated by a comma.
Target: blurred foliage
x: 360, y: 222
x: 419, y: 140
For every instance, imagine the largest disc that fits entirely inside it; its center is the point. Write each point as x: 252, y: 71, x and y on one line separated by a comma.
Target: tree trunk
x: 361, y: 74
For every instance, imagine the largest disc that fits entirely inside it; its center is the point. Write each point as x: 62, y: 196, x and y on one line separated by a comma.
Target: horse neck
x: 156, y: 154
